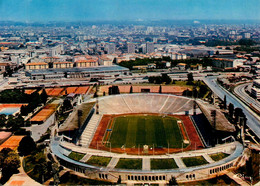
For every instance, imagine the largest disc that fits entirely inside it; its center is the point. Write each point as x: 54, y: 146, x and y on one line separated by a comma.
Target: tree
x: 2, y: 120
x: 10, y: 164
x: 113, y: 90
x: 119, y: 180
x: 166, y: 78
x: 187, y: 93
x: 18, y: 122
x: 44, y: 96
x: 5, y: 151
x: 160, y: 79
x: 225, y: 102
x: 8, y: 71
x: 10, y: 122
x: 173, y: 181
x: 41, y: 169
x: 12, y: 161
x: 131, y: 90
x: 66, y: 105
x: 238, y: 113
x: 24, y: 110
x: 2, y: 158
x: 194, y: 92
x: 55, y: 173
x: 95, y: 94
x: 246, y: 42
x: 114, y: 61
x: 231, y: 110
x: 203, y: 89
x: 190, y: 77
x: 26, y: 146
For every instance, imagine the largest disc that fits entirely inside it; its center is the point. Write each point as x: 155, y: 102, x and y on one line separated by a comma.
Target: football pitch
x: 131, y: 131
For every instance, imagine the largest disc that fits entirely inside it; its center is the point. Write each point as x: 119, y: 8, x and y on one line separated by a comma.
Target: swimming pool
x: 9, y: 111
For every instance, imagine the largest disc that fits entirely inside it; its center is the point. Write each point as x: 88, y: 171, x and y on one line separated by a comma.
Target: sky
x: 104, y: 10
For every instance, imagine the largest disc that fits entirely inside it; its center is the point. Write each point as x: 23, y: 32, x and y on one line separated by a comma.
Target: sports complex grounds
x: 144, y: 138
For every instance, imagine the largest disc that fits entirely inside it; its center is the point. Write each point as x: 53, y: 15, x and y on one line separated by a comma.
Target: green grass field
x: 99, y: 160
x: 163, y: 164
x: 76, y: 156
x: 125, y: 163
x: 219, y: 156
x: 132, y: 131
x: 194, y: 161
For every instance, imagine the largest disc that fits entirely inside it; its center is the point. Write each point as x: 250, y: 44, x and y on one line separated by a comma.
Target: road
x: 38, y: 130
x: 253, y: 120
x: 240, y: 90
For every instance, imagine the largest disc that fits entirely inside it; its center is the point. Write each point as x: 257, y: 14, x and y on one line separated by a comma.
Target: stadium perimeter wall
x: 188, y: 174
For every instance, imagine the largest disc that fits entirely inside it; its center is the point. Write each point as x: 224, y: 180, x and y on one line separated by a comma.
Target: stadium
x: 145, y: 138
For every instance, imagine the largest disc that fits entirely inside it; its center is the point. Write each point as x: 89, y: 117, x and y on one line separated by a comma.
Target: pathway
x: 146, y: 164
x: 236, y: 178
x: 21, y: 178
x: 85, y: 158
x: 179, y: 162
x: 113, y: 162
x: 208, y: 158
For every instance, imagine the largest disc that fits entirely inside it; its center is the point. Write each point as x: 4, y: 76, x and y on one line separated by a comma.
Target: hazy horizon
x: 132, y: 10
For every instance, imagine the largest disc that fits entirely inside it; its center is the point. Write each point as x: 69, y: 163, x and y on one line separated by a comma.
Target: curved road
x: 253, y: 120
x: 240, y: 90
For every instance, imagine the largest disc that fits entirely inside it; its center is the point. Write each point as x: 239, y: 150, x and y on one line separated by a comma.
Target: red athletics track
x: 195, y: 142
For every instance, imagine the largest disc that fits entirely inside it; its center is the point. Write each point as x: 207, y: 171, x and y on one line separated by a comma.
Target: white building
x: 176, y: 56
x: 255, y: 91
x: 111, y: 48
x: 130, y: 48
x: 149, y: 47
x: 247, y: 35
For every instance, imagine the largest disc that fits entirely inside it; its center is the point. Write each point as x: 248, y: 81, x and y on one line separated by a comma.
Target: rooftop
x: 89, y: 69
x: 38, y: 63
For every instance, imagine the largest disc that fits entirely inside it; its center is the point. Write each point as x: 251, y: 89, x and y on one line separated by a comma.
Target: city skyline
x: 118, y: 10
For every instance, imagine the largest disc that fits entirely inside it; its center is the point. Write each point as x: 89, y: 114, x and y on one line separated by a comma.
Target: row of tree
x: 137, y: 62
x: 164, y: 78
x: 235, y: 113
x: 205, y: 61
x: 12, y: 123
x: 35, y: 101
x: 19, y: 96
x: 242, y: 42
x: 160, y: 63
x: 197, y: 91
x: 113, y: 90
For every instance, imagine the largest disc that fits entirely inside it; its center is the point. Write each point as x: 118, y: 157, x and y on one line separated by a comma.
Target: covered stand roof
x: 221, y: 122
x: 71, y: 123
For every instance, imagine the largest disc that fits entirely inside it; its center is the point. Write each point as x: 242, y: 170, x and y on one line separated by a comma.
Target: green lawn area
x: 124, y: 163
x: 132, y: 131
x: 76, y: 156
x: 163, y: 164
x: 183, y: 83
x: 194, y: 161
x: 37, y: 166
x: 98, y: 160
x: 29, y: 163
x: 218, y: 156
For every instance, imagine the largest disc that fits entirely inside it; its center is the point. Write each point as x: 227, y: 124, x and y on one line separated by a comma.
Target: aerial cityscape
x: 139, y: 92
